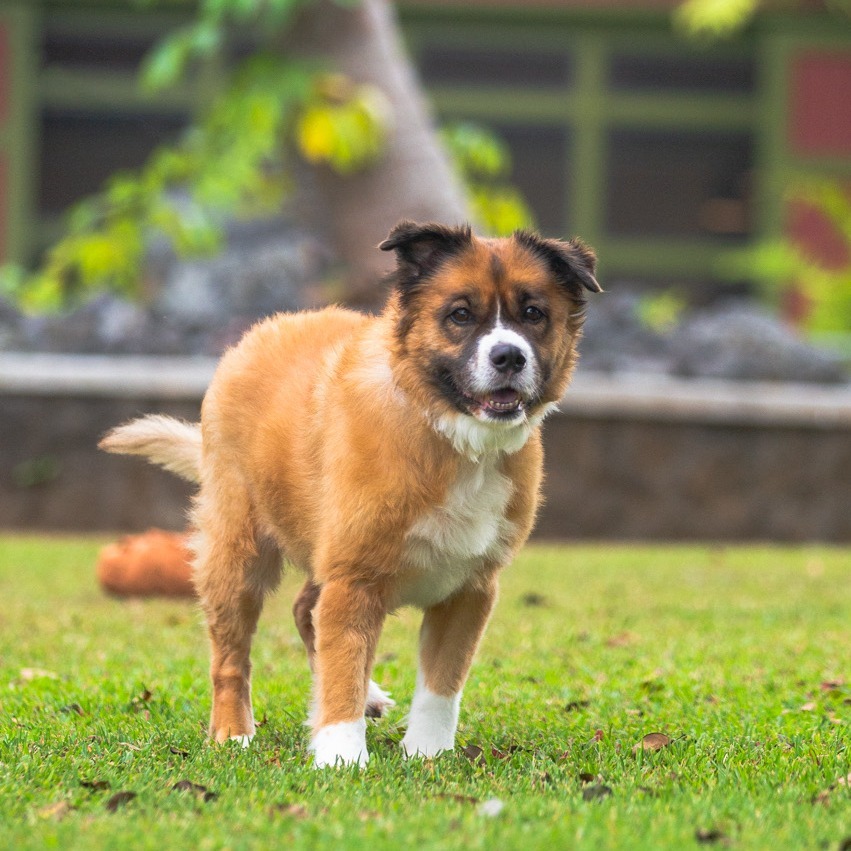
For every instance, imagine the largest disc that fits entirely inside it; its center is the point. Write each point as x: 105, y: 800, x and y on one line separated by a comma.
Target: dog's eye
x: 461, y: 315
x: 533, y: 314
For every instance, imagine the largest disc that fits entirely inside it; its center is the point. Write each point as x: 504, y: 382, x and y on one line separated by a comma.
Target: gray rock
x: 615, y: 339
x: 738, y: 340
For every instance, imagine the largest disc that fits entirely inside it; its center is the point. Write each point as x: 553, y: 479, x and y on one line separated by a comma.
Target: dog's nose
x: 507, y: 358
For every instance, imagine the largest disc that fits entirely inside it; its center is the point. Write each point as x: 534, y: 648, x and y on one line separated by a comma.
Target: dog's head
x: 489, y: 326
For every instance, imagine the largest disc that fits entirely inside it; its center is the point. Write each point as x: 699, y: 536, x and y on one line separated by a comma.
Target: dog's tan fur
x: 319, y: 443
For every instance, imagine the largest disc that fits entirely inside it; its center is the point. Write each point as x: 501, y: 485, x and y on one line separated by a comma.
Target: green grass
x: 740, y: 655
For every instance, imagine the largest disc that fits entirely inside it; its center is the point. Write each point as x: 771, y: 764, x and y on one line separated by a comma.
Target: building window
x: 639, y: 72
x: 469, y: 66
x: 662, y: 183
x: 81, y: 149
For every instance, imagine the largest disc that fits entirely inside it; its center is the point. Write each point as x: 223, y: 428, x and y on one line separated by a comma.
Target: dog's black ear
x: 420, y: 248
x: 572, y: 262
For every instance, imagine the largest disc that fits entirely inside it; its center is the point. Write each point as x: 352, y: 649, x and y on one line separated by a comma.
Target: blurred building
x: 660, y: 151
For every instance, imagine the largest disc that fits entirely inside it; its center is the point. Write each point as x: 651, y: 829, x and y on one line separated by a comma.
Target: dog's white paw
x: 432, y: 723
x: 340, y: 744
x: 245, y: 740
x: 426, y: 745
x: 377, y: 700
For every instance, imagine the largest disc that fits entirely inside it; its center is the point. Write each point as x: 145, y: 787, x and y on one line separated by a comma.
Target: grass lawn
x: 740, y: 656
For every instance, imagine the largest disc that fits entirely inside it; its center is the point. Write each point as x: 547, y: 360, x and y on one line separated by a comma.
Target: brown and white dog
x: 395, y: 459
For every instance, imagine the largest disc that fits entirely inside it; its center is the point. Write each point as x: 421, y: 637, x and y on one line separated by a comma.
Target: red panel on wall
x: 4, y: 202
x: 820, y: 113
x: 5, y: 71
x: 814, y: 232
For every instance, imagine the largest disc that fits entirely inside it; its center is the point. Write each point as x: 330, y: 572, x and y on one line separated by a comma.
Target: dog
x: 396, y: 459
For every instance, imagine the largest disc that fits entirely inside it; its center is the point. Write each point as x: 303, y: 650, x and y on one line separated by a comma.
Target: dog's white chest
x: 447, y: 544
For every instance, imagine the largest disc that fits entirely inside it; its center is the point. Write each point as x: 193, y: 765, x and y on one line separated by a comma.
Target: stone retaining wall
x: 628, y: 457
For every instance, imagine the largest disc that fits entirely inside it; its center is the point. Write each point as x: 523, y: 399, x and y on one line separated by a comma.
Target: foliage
x: 233, y: 161
x: 736, y: 654
x: 483, y: 163
x: 783, y: 270
x: 661, y: 311
x: 722, y: 18
x: 818, y: 297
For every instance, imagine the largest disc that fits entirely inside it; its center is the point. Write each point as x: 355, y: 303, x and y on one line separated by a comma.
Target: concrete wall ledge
x: 635, y: 396
x: 635, y: 457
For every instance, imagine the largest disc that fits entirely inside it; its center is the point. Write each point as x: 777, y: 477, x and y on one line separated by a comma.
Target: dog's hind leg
x: 233, y: 573
x: 377, y: 700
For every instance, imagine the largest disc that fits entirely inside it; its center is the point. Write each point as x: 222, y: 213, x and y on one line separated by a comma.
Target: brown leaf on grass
x: 460, y: 799
x: 622, y: 639
x: 831, y: 685
x: 533, y: 599
x: 509, y: 751
x: 200, y: 792
x: 653, y: 742
x: 297, y: 811
x: 576, y: 704
x: 56, y: 811
x: 27, y: 675
x: 95, y: 785
x: 178, y: 751
x: 822, y: 797
x: 474, y: 753
x: 72, y: 708
x: 138, y: 701
x: 844, y: 781
x: 119, y: 799
x: 596, y: 792
x: 709, y: 836
x: 586, y: 777
x: 598, y: 736
x: 809, y: 706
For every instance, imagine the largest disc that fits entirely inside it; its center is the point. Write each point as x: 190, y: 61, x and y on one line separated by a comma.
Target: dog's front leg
x: 449, y: 637
x: 348, y: 618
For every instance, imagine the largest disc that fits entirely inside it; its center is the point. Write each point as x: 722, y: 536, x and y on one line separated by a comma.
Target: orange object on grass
x: 153, y: 564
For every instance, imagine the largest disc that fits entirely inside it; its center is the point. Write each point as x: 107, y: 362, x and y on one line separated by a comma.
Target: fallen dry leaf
x: 201, y: 792
x: 461, y: 799
x: 832, y: 685
x: 474, y: 753
x: 298, y: 811
x: 596, y: 792
x: 598, y: 736
x: 178, y: 751
x: 822, y: 797
x: 587, y: 777
x: 844, y: 781
x: 29, y: 674
x: 710, y: 836
x: 653, y: 742
x: 809, y: 706
x: 622, y: 639
x: 56, y: 811
x: 119, y: 799
x: 95, y: 785
x: 72, y: 708
x: 576, y: 704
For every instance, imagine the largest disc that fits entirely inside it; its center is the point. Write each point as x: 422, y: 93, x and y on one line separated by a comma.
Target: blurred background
x: 171, y: 171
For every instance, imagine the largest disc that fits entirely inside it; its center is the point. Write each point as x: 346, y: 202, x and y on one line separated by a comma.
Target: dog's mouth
x: 503, y: 403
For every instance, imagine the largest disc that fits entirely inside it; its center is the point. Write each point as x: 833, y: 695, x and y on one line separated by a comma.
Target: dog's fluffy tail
x: 171, y: 443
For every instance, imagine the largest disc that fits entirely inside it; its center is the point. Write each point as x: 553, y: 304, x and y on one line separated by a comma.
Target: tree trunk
x: 413, y: 179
